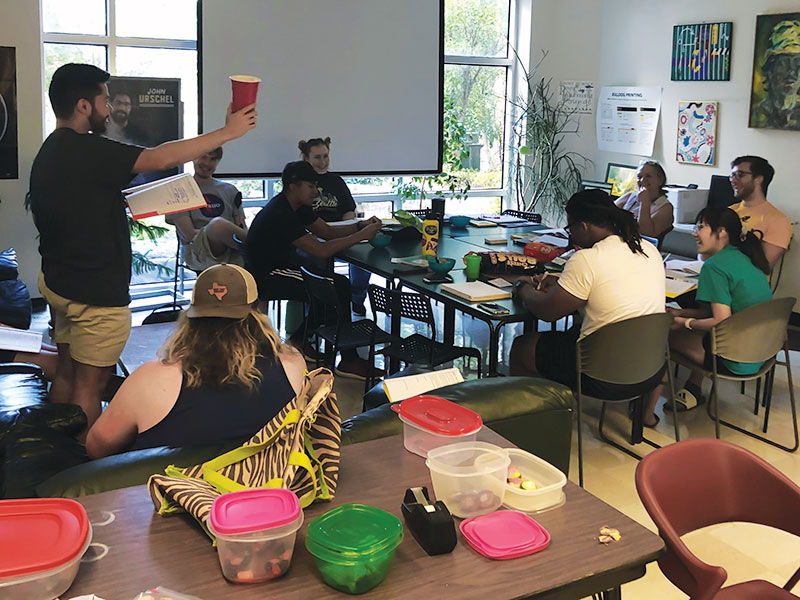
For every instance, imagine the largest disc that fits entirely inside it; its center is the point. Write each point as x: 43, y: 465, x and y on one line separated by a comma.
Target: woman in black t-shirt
x: 334, y: 203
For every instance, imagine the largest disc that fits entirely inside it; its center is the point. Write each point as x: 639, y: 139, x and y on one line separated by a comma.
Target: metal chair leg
x: 580, y: 434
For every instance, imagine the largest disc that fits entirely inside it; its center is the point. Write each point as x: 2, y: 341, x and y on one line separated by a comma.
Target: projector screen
x: 367, y: 73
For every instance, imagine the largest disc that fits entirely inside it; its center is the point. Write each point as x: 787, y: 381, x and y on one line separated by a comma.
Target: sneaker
x: 353, y: 368
x: 359, y: 309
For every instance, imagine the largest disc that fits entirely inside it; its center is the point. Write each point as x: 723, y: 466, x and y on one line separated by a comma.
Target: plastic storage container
x: 550, y: 482
x: 353, y: 546
x: 41, y: 544
x: 505, y: 534
x: 255, y: 531
x: 469, y: 477
x: 431, y: 422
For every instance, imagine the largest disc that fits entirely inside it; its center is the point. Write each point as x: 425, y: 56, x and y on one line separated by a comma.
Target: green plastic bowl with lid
x: 353, y: 546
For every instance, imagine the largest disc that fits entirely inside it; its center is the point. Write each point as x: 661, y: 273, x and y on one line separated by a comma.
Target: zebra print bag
x: 298, y: 449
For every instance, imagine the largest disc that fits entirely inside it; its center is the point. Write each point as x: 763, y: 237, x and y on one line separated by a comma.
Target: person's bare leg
x: 522, y: 357
x: 45, y: 359
x: 690, y: 344
x: 61, y: 388
x: 87, y: 389
x: 220, y: 232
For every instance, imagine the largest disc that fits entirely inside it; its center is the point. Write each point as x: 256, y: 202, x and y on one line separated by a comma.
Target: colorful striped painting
x: 701, y: 52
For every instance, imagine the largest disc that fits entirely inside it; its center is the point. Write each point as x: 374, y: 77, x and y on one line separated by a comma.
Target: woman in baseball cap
x: 221, y: 375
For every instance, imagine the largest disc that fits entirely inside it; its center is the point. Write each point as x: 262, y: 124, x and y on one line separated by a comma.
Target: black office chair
x: 522, y: 214
x: 416, y: 348
x: 343, y: 334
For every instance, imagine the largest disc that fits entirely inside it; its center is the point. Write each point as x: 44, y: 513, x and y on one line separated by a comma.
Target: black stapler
x: 431, y: 524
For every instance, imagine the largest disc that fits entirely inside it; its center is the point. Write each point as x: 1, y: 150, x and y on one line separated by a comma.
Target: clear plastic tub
x: 45, y: 585
x: 353, y: 546
x: 255, y: 532
x: 550, y: 482
x: 421, y: 441
x: 469, y: 477
x: 431, y: 422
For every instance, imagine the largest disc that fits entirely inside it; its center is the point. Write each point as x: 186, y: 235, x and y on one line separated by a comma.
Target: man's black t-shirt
x: 80, y: 214
x: 270, y: 237
x: 334, y: 198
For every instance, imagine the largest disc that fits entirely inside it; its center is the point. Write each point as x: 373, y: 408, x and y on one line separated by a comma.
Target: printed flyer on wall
x: 627, y: 119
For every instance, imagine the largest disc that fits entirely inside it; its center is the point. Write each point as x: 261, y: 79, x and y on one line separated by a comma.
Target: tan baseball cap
x: 226, y: 291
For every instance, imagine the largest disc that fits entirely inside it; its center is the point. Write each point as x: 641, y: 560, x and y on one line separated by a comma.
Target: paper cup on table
x: 245, y: 90
x: 473, y: 262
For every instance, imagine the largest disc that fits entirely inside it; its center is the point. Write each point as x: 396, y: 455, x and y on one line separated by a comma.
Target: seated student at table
x: 649, y: 205
x: 222, y: 375
x: 616, y: 275
x: 732, y: 278
x: 750, y: 178
x: 334, y: 203
x: 209, y: 234
x: 287, y: 224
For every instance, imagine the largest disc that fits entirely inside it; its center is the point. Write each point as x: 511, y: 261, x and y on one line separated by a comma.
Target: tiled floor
x: 746, y: 551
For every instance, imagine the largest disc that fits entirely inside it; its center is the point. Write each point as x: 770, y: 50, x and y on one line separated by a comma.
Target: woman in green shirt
x: 733, y: 277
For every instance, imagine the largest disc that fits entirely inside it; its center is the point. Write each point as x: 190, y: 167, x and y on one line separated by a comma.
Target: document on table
x: 414, y: 261
x: 400, y: 388
x: 559, y: 242
x: 20, y: 340
x: 686, y: 266
x: 676, y: 287
x: 504, y: 219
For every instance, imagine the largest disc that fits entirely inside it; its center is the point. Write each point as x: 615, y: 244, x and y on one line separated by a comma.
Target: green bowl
x: 459, y: 222
x: 440, y: 265
x: 380, y: 240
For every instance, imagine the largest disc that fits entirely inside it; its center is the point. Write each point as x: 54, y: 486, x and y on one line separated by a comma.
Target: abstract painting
x: 9, y: 164
x: 774, y: 101
x: 701, y: 52
x: 697, y: 133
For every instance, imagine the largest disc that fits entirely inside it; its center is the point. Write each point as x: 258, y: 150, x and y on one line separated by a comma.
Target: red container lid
x: 40, y: 534
x: 247, y: 511
x: 505, y: 534
x: 439, y: 415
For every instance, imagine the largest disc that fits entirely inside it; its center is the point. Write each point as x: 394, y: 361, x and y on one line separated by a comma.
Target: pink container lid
x: 248, y: 511
x: 505, y: 534
x: 439, y: 415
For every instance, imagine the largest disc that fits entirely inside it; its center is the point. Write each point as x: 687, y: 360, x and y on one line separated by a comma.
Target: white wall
x: 620, y: 42
x: 19, y: 27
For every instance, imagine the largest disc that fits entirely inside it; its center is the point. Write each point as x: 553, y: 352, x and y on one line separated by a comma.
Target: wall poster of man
x: 774, y: 101
x: 145, y: 111
x: 9, y: 164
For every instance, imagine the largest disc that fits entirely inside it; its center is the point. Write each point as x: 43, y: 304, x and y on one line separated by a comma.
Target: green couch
x: 534, y: 414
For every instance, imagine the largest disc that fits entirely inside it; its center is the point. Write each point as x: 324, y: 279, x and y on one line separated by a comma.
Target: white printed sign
x: 627, y: 119
x: 577, y: 96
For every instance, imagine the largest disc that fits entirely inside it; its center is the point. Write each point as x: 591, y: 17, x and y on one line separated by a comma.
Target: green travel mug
x: 473, y: 262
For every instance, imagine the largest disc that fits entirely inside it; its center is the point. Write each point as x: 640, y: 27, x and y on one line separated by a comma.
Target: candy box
x: 353, y: 546
x: 255, y: 532
x: 41, y: 544
x: 430, y: 422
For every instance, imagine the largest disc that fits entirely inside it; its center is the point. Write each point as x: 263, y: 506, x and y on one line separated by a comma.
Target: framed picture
x: 697, y: 133
x: 701, y: 52
x: 623, y: 178
x: 774, y: 102
x: 9, y: 163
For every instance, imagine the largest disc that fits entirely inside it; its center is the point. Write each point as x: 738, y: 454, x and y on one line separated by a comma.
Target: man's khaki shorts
x: 96, y: 334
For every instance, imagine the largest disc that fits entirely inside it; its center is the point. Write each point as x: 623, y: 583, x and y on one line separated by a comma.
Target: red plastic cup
x: 245, y: 90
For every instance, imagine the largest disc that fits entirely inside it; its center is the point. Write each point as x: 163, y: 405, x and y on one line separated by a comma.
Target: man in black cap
x: 284, y: 226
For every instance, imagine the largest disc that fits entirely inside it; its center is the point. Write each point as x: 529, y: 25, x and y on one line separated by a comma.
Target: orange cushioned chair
x: 695, y: 483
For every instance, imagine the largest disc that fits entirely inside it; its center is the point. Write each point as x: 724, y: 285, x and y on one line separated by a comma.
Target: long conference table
x: 453, y: 243
x: 134, y: 549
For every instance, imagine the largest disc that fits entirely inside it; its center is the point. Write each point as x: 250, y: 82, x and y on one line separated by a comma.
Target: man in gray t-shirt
x: 211, y: 235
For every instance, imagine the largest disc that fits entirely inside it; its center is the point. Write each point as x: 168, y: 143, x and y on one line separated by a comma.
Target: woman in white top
x: 649, y: 205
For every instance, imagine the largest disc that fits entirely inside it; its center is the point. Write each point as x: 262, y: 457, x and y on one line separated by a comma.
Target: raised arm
x: 173, y: 154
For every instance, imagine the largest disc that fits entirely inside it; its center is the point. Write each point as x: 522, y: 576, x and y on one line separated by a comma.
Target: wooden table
x: 146, y: 550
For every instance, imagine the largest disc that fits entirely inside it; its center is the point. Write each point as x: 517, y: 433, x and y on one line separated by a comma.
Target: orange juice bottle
x: 430, y: 235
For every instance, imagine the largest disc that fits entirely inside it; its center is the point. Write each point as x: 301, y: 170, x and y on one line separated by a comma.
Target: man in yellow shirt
x: 750, y: 177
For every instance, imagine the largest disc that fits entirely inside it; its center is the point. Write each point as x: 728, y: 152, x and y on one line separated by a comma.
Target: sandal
x: 686, y: 400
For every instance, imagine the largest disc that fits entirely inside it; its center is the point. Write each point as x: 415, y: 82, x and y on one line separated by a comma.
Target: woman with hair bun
x: 733, y: 277
x: 222, y: 375
x: 334, y: 203
x: 649, y: 205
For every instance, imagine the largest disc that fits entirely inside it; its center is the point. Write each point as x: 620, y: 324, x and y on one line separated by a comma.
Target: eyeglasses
x: 739, y: 174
